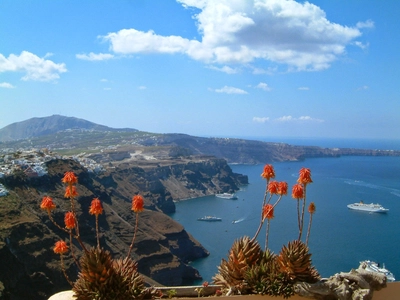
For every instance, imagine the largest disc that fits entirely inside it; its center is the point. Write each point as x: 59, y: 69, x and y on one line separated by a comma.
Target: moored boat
x: 209, y: 219
x: 372, y: 207
x: 374, y: 267
x: 226, y: 196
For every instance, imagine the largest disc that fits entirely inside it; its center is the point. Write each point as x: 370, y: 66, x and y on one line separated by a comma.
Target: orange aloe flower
x: 70, y: 192
x: 311, y: 208
x: 47, y: 204
x: 268, y: 211
x: 268, y: 172
x: 70, y: 178
x: 95, y: 207
x: 273, y: 187
x: 60, y: 247
x: 304, y: 176
x: 297, y: 191
x: 69, y: 220
x: 137, y: 203
x: 282, y: 188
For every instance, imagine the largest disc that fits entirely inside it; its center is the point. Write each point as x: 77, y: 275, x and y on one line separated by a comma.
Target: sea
x: 339, y: 238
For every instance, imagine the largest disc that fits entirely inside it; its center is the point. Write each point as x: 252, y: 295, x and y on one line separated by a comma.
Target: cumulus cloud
x: 263, y: 86
x: 299, y: 119
x: 93, y: 56
x: 230, y: 90
x: 296, y: 34
x: 260, y: 119
x: 34, y: 67
x: 6, y: 85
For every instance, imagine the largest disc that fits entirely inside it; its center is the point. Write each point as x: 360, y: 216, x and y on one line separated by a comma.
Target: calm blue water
x: 339, y: 239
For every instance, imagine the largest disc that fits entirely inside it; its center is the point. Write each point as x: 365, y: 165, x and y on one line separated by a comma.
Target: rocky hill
x: 37, y: 127
x: 30, y: 269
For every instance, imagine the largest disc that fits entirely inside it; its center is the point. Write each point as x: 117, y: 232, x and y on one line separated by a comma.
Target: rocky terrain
x: 30, y: 269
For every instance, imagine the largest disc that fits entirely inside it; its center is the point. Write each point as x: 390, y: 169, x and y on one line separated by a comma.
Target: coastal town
x: 32, y: 163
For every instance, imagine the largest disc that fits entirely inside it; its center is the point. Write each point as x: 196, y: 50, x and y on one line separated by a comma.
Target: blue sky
x: 265, y: 68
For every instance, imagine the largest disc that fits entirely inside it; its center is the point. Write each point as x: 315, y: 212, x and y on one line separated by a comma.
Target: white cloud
x: 263, y: 86
x: 285, y: 32
x: 361, y: 45
x: 269, y: 70
x: 299, y: 119
x: 6, y: 85
x: 142, y: 87
x: 285, y: 119
x: 93, y: 56
x: 260, y: 119
x: 107, y: 89
x: 35, y: 67
x: 303, y: 88
x: 366, y: 24
x: 363, y: 88
x: 230, y: 90
x: 225, y: 69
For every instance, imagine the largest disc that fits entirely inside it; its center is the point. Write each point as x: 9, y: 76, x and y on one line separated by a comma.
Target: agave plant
x: 103, y: 278
x: 244, y: 254
x: 294, y: 261
x: 96, y: 275
x: 265, y: 278
x: 130, y: 280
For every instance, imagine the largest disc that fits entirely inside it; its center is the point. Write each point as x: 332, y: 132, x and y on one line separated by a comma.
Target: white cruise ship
x: 226, y: 196
x: 372, y: 207
x: 209, y: 219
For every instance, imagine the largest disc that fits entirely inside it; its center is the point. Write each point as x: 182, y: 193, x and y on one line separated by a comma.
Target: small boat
x: 372, y: 207
x: 371, y: 266
x: 226, y: 196
x: 209, y: 219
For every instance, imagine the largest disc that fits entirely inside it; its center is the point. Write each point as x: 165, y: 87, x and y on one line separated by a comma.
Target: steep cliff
x: 30, y: 269
x: 255, y: 152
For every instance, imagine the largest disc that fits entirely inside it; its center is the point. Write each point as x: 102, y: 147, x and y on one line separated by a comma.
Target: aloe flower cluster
x: 280, y: 189
x: 95, y: 259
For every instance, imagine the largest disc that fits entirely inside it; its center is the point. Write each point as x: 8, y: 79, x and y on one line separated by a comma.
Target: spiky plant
x: 129, y: 279
x: 264, y: 278
x: 96, y: 275
x: 102, y: 278
x: 294, y: 262
x: 244, y: 254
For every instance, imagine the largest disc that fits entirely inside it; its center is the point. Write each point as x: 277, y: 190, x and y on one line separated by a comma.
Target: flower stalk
x: 137, y: 207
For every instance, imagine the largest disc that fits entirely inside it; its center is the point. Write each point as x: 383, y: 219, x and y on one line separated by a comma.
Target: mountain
x: 36, y: 127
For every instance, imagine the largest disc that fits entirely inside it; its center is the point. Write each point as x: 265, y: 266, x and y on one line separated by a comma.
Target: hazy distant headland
x: 69, y: 135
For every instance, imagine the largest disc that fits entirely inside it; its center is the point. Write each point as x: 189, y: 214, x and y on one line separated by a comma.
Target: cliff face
x: 30, y: 269
x: 256, y: 152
